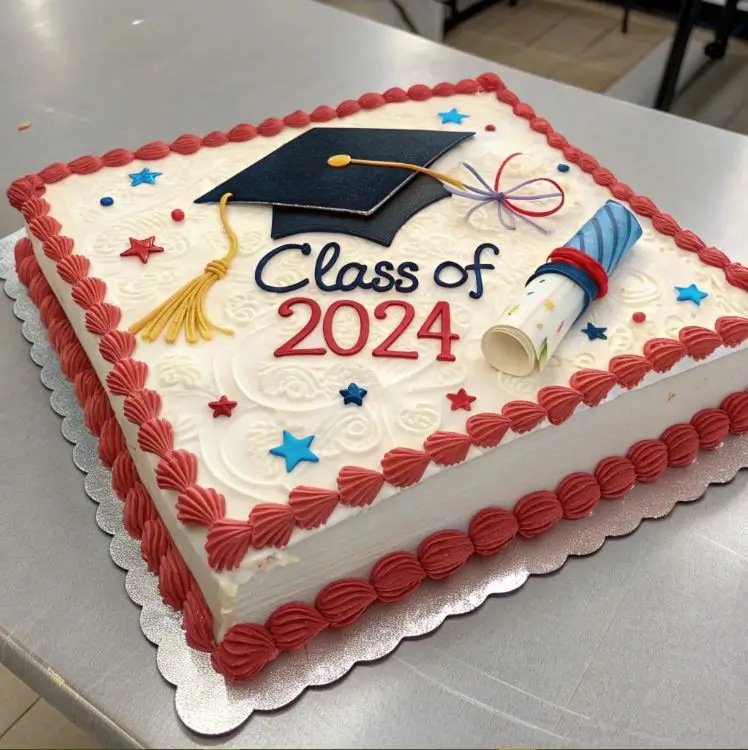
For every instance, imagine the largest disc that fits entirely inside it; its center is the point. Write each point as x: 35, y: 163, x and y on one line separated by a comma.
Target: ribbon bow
x: 505, y: 199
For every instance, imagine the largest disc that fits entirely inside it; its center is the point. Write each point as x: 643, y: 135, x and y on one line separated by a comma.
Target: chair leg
x: 717, y: 48
x: 669, y: 82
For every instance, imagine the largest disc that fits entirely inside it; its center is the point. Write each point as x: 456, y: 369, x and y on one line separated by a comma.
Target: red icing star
x: 461, y: 400
x: 223, y: 407
x: 142, y: 249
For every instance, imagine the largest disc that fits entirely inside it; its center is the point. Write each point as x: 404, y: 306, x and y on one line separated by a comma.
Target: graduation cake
x: 333, y: 356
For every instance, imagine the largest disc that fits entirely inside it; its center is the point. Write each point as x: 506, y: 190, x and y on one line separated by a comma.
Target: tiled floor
x: 571, y: 41
x: 579, y: 42
x: 574, y: 41
x: 26, y: 721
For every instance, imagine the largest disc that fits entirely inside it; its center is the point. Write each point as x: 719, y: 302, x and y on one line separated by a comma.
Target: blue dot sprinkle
x: 563, y: 167
x: 106, y: 201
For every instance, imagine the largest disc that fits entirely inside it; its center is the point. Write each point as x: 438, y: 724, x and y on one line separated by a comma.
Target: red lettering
x: 438, y: 325
x: 441, y: 314
x: 363, y: 327
x: 315, y: 313
x: 380, y: 313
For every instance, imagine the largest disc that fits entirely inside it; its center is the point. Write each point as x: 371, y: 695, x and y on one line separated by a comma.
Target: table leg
x: 669, y: 81
x: 626, y: 13
x: 716, y: 49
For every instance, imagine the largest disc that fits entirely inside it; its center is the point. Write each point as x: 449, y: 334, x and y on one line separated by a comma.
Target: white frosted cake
x: 331, y: 356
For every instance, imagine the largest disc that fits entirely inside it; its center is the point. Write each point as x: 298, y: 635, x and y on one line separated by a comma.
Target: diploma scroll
x: 532, y: 328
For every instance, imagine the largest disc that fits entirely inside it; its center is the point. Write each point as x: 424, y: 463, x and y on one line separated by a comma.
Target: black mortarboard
x: 369, y: 201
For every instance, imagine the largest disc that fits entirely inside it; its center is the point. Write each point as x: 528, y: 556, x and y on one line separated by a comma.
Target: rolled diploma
x: 531, y: 330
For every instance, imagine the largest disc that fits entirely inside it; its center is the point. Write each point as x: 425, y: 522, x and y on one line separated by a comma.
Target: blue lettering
x: 382, y: 270
x: 477, y: 267
x: 407, y: 271
x: 350, y: 276
x: 439, y: 270
x: 322, y: 266
x: 359, y: 281
x: 305, y: 249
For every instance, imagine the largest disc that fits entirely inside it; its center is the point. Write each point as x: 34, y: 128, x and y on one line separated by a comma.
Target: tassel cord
x: 185, y: 309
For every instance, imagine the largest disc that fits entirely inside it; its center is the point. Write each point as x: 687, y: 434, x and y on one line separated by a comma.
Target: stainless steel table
x: 643, y: 644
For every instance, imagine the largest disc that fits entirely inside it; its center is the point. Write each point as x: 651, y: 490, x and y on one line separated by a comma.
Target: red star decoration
x: 142, y: 249
x: 461, y: 400
x: 223, y: 407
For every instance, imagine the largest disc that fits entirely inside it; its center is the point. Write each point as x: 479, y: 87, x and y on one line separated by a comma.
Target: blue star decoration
x: 294, y: 450
x: 353, y: 395
x: 144, y: 177
x: 690, y: 293
x: 452, y: 116
x: 593, y: 332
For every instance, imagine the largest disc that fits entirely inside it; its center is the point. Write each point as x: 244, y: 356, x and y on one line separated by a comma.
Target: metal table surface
x: 642, y: 644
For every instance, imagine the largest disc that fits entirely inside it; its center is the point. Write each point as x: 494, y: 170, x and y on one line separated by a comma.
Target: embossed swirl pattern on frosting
x: 247, y: 648
x: 421, y: 419
x: 621, y: 338
x: 406, y: 401
x: 635, y: 287
x: 148, y: 289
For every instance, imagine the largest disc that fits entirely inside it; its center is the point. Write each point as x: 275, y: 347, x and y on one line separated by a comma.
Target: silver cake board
x: 203, y: 700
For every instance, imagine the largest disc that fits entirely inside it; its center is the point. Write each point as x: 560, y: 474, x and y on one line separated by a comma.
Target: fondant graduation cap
x: 367, y: 200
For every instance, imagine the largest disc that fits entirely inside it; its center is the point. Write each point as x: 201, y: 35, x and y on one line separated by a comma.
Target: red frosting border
x: 271, y: 524
x: 247, y: 648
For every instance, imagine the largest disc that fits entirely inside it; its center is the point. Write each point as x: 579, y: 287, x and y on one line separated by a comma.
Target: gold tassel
x: 185, y: 308
x: 343, y: 160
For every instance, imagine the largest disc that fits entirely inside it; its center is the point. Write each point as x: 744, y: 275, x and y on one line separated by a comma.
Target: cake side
x: 513, y: 478
x: 730, y: 334
x: 398, y: 435
x: 351, y: 549
x: 248, y: 648
x: 177, y: 586
x: 86, y: 359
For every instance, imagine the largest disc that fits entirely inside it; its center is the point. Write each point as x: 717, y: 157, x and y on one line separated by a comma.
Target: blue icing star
x: 690, y: 293
x: 593, y: 332
x: 452, y: 116
x: 144, y: 177
x: 294, y: 450
x: 353, y: 395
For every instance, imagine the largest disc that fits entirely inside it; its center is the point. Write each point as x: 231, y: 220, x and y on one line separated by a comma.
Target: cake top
x: 360, y: 298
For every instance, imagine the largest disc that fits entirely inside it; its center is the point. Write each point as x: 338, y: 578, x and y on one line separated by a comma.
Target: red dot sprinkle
x: 638, y: 317
x: 490, y: 128
x: 177, y: 214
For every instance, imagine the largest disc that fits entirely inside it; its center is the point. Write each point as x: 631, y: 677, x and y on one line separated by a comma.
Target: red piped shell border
x: 271, y: 524
x: 248, y: 648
